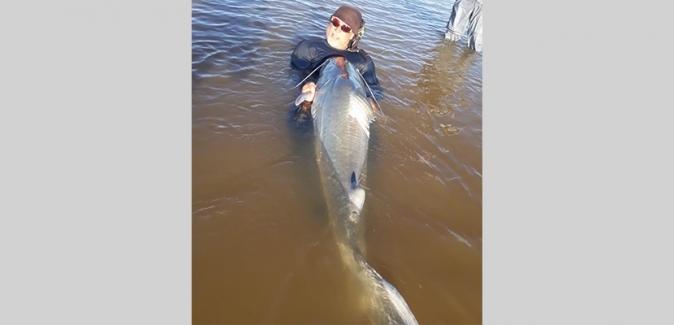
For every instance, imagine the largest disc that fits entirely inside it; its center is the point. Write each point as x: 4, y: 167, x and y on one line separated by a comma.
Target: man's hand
x: 373, y: 104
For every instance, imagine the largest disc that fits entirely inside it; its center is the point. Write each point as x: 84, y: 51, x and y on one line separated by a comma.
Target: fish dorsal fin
x: 354, y: 182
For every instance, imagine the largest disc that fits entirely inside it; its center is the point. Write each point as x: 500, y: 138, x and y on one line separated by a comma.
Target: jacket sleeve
x: 371, y: 79
x: 304, y: 58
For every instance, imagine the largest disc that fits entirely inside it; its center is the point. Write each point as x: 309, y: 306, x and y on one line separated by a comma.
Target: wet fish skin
x: 342, y: 116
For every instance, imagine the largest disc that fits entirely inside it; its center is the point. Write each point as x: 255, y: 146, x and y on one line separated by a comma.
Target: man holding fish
x: 345, y: 29
x: 342, y: 109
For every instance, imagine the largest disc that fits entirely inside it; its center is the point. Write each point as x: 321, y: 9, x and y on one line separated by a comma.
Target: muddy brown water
x: 262, y: 248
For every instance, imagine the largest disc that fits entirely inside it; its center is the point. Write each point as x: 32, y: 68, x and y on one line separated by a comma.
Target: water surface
x: 262, y: 249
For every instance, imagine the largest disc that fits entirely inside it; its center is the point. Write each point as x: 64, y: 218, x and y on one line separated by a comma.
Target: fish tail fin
x: 399, y: 304
x: 385, y: 305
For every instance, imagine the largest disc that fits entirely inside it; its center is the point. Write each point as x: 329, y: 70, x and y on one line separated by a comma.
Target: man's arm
x: 370, y: 76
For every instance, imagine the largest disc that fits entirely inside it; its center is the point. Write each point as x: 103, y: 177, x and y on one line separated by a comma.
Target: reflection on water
x: 263, y: 250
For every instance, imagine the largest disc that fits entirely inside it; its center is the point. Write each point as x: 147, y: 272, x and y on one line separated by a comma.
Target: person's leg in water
x: 475, y: 28
x: 458, y: 19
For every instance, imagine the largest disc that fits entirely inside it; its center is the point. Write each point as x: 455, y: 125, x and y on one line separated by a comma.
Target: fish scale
x: 342, y: 117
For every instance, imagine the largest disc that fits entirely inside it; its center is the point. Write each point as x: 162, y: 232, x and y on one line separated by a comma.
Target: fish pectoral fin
x: 305, y: 96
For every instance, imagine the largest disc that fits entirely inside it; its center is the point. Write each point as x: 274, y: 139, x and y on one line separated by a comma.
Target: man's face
x: 338, y: 33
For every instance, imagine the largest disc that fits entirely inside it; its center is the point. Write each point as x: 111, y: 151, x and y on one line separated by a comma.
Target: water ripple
x: 425, y: 168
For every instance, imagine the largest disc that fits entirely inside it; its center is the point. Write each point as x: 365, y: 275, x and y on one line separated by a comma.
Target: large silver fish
x: 342, y: 116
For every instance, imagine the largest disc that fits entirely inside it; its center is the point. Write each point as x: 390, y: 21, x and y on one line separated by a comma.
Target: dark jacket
x: 309, y: 54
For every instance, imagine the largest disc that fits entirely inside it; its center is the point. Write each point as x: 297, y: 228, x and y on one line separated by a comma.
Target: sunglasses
x: 336, y: 22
